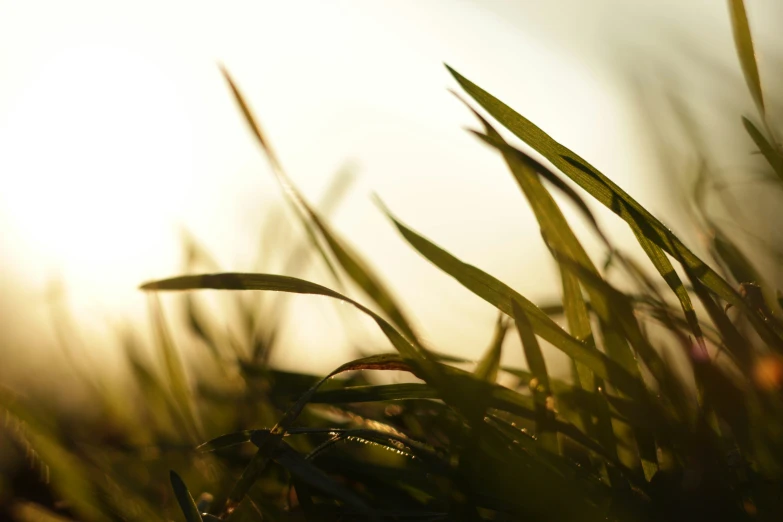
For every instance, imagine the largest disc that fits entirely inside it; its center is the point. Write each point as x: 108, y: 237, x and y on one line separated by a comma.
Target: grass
x: 628, y: 437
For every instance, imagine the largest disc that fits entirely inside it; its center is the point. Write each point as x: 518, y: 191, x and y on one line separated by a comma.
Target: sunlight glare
x: 99, y: 148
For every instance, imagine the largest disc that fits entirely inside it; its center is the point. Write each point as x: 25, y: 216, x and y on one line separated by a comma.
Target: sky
x: 117, y: 132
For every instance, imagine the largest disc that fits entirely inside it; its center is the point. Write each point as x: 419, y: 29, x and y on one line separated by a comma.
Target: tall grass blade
x: 772, y: 154
x: 502, y: 296
x: 745, y: 51
x: 488, y: 366
x: 290, y: 192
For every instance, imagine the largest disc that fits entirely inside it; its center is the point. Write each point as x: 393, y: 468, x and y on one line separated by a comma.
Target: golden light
x: 117, y: 130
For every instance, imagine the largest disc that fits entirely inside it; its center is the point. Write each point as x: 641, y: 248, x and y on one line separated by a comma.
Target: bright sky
x: 116, y: 129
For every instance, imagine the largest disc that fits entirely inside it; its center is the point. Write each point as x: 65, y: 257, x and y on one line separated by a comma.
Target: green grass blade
x: 738, y: 264
x: 620, y: 311
x: 539, y: 385
x: 502, y: 296
x: 579, y: 326
x: 747, y: 55
x: 736, y: 344
x: 184, y: 499
x: 666, y: 270
x: 771, y: 154
x: 387, y: 436
x: 375, y: 393
x: 292, y: 196
x: 279, y: 283
x: 226, y: 441
x: 360, y: 272
x: 493, y: 138
x: 488, y: 366
x: 617, y: 200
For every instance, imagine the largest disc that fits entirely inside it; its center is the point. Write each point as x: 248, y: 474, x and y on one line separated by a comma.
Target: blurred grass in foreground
x: 628, y: 437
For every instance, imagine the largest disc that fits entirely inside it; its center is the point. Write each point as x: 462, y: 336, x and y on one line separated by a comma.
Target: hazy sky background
x: 116, y: 130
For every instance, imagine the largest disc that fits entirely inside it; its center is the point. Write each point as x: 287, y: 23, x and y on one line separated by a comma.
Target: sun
x: 96, y: 163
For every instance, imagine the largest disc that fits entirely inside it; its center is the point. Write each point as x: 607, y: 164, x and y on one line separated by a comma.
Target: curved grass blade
x: 745, y: 51
x: 738, y: 264
x: 277, y: 283
x: 226, y: 441
x: 360, y: 272
x: 502, y: 296
x: 617, y: 200
x: 493, y: 138
x: 771, y: 154
x: 292, y: 196
x: 578, y: 320
x: 184, y: 499
x: 391, y: 439
x: 487, y: 368
x: 375, y: 393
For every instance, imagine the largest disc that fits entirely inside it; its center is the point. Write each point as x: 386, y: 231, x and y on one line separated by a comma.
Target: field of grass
x: 628, y: 437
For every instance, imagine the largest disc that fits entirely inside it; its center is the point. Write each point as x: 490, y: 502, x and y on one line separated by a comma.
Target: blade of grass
x: 375, y: 393
x: 771, y: 154
x: 292, y: 196
x: 279, y: 283
x: 184, y: 499
x: 745, y: 51
x: 539, y: 385
x: 487, y: 368
x: 502, y: 296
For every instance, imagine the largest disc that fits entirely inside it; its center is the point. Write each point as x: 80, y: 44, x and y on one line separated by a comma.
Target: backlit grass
x: 625, y: 438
